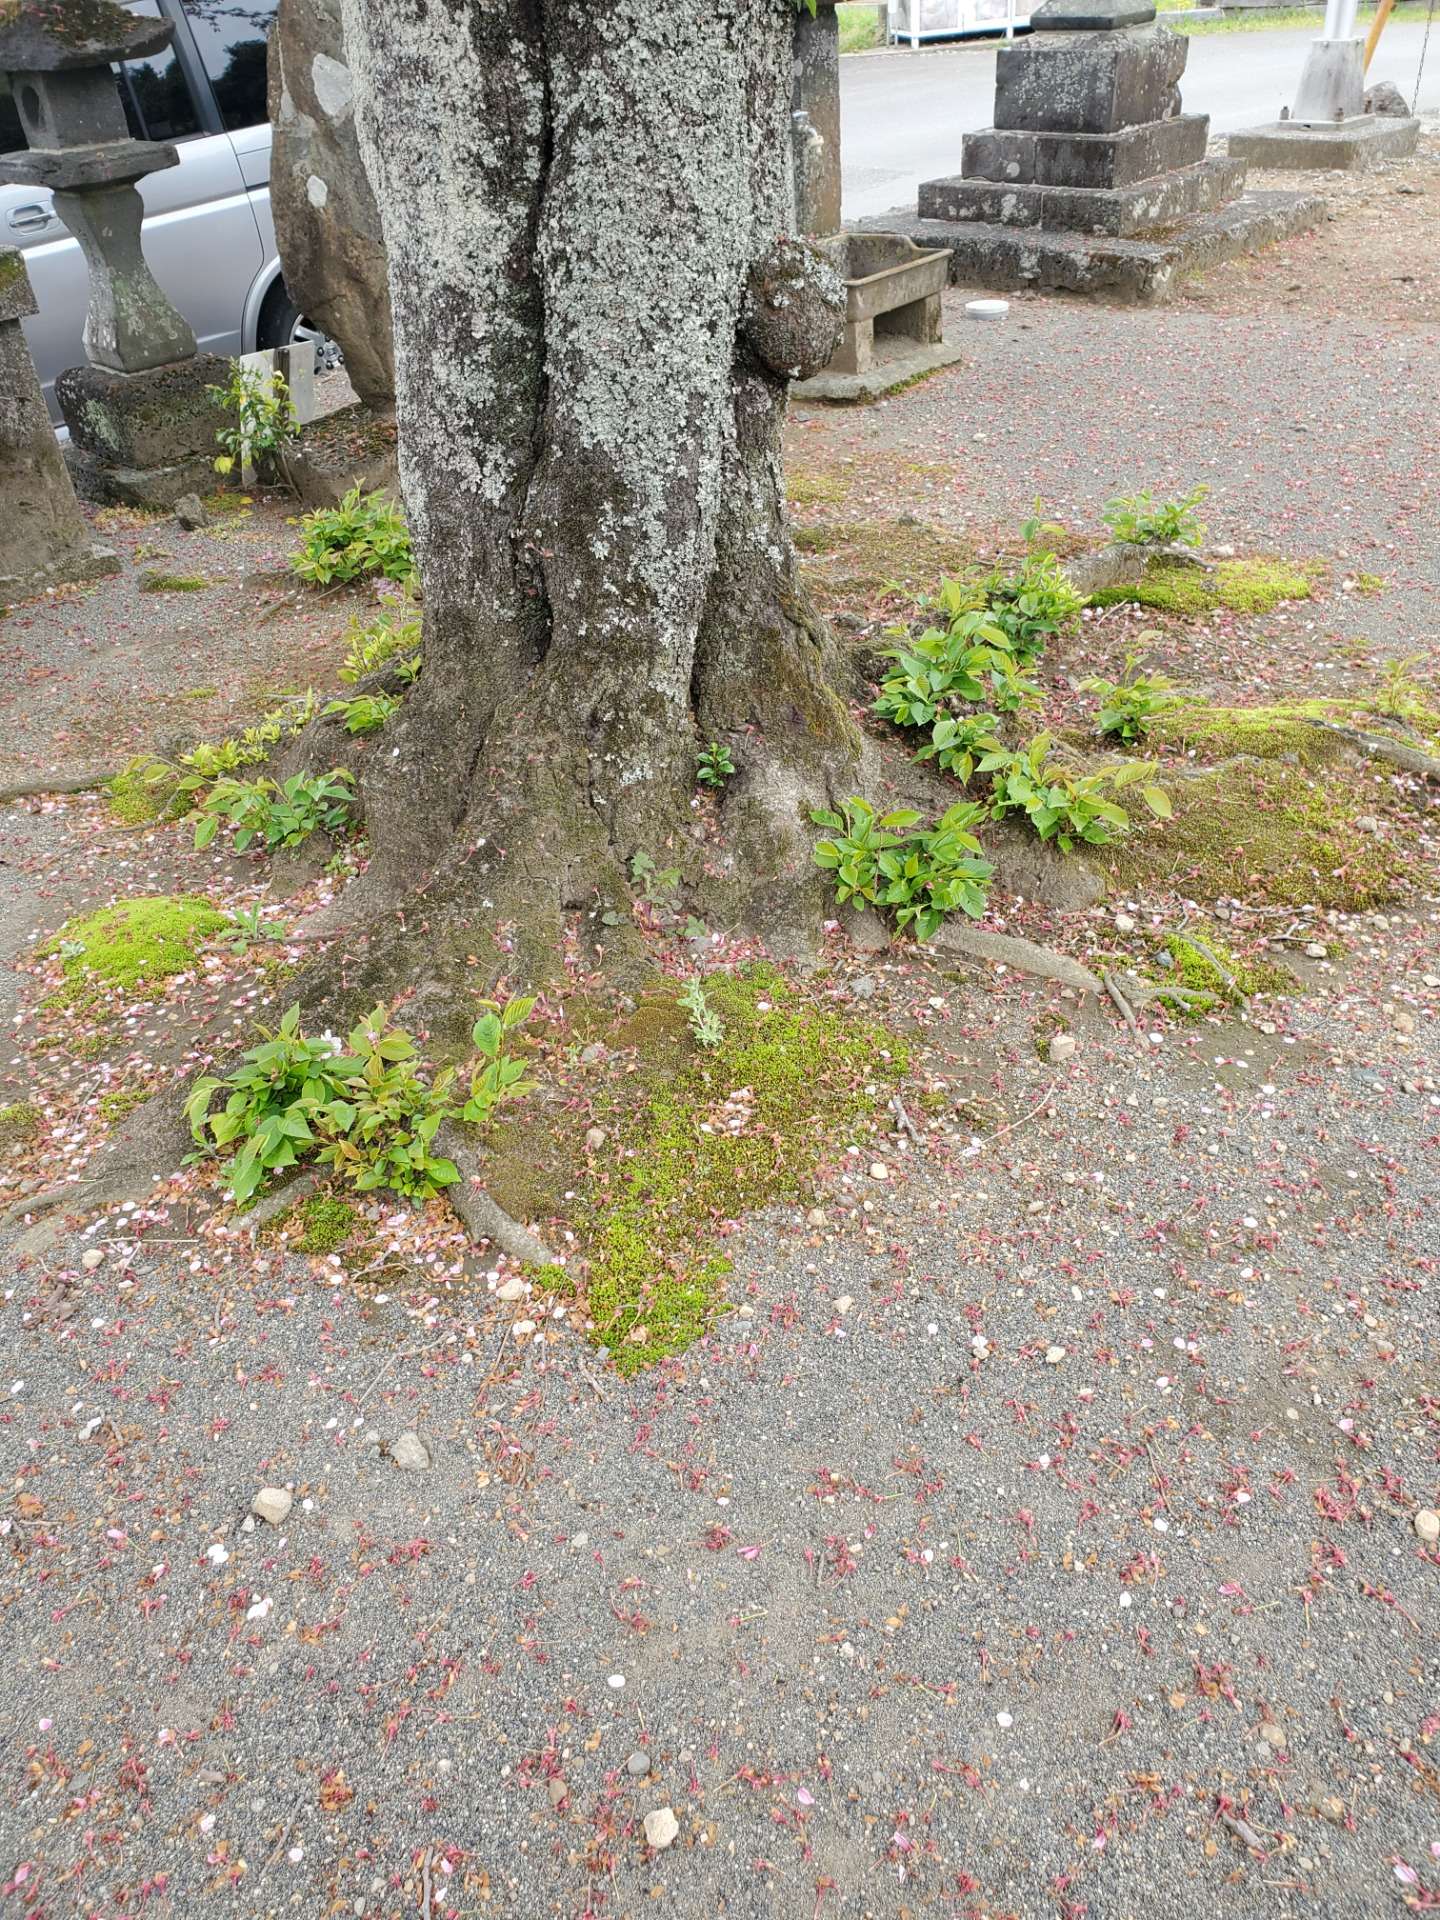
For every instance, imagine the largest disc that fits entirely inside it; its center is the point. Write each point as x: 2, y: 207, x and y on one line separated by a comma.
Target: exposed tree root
x: 1379, y: 746
x: 1010, y: 950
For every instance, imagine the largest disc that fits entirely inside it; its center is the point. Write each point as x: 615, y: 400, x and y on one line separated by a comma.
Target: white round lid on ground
x: 987, y: 309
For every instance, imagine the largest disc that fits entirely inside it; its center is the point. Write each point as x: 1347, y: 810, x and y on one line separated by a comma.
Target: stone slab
x: 97, y: 166
x: 121, y: 486
x: 1137, y: 209
x: 885, y: 376
x: 151, y: 419
x: 1351, y: 145
x: 1099, y: 16
x: 1089, y: 82
x: 90, y: 560
x: 1004, y: 259
x: 1009, y: 155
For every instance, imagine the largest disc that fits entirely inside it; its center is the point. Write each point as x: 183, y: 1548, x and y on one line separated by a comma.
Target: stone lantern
x: 139, y: 413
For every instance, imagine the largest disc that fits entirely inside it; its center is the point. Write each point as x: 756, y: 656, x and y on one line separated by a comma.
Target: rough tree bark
x: 585, y: 205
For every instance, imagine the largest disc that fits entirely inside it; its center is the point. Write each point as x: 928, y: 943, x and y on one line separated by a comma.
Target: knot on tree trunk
x: 794, y: 310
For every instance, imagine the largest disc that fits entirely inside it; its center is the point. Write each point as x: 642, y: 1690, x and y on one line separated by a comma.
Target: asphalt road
x: 905, y: 113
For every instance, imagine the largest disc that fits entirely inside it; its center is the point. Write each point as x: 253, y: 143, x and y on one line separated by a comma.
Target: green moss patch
x: 19, y: 1124
x: 724, y: 1132
x: 134, y: 943
x: 1285, y: 730
x: 154, y: 580
x: 135, y: 798
x: 1240, y: 586
x: 323, y: 1222
x: 114, y: 1106
x: 1206, y: 965
x: 1267, y: 831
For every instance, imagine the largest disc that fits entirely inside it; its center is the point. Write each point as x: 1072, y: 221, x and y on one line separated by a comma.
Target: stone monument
x: 1092, y: 178
x: 893, y: 327
x: 331, y: 247
x: 44, y: 537
x: 1332, y: 124
x: 142, y: 424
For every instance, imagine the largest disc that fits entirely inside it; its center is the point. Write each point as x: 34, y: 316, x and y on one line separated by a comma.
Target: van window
x: 157, y: 101
x: 230, y: 36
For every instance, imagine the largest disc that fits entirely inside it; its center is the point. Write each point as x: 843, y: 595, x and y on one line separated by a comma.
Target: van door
x: 200, y: 235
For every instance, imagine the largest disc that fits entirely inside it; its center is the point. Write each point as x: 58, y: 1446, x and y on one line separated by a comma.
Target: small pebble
x: 273, y: 1504
x: 596, y: 1138
x: 557, y: 1791
x: 411, y: 1453
x: 92, y: 1258
x: 1316, y: 950
x: 1124, y: 923
x: 509, y: 1290
x: 1063, y: 1046
x: 638, y: 1765
x: 1054, y: 1355
x: 662, y: 1829
x: 879, y: 1170
x: 1427, y: 1525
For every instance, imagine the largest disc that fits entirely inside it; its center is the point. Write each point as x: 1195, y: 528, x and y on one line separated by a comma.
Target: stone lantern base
x: 44, y: 537
x: 143, y: 439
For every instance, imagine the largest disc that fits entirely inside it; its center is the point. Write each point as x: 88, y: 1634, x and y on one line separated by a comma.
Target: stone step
x: 1009, y: 156
x: 1141, y: 270
x: 1120, y: 212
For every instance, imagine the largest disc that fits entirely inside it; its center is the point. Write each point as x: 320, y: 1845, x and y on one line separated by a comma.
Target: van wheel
x: 282, y: 324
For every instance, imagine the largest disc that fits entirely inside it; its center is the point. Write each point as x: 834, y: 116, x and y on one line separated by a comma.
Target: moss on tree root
x: 696, y: 1140
x: 1250, y: 586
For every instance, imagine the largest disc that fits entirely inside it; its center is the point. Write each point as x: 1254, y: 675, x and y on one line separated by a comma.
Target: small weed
x: 1062, y: 805
x: 655, y: 886
x: 264, y: 420
x: 1139, y: 520
x: 277, y: 815
x: 706, y: 1025
x: 390, y: 637
x: 714, y: 766
x: 363, y: 712
x: 365, y: 534
x: 918, y: 876
x: 1129, y: 704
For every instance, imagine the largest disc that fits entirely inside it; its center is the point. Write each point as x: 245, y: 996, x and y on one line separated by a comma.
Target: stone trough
x: 893, y: 331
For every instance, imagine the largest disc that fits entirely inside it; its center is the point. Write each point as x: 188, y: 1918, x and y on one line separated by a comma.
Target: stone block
x: 157, y: 418
x: 1089, y: 82
x: 1350, y: 145
x: 151, y: 487
x: 1158, y: 202
x: 1085, y: 159
x: 1132, y: 269
x: 17, y: 296
x: 354, y: 446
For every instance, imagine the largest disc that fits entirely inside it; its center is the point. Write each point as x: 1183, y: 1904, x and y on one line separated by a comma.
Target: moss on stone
x: 735, y: 1129
x: 1265, y: 830
x: 143, y: 941
x: 20, y: 1123
x: 1251, y: 586
x: 155, y: 580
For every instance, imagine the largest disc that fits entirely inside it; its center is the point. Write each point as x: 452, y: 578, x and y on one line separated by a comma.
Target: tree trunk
x: 584, y: 205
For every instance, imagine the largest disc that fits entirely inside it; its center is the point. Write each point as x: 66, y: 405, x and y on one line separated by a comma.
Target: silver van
x: 208, y: 235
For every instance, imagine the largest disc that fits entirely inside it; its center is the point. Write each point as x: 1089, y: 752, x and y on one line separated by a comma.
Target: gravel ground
x: 1036, y: 1536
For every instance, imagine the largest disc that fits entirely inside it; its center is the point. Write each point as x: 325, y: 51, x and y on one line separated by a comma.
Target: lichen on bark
x: 580, y: 203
